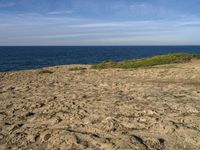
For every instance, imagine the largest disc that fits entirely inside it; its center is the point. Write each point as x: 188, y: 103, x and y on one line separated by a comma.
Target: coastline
x: 154, y: 108
x: 23, y: 58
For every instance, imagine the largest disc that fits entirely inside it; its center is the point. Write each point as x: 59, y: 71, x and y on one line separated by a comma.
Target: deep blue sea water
x: 21, y: 57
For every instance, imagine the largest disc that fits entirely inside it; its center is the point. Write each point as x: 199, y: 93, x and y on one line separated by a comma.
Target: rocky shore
x: 81, y: 108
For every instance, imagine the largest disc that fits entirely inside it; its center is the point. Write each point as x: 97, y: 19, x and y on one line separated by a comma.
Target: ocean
x: 14, y: 58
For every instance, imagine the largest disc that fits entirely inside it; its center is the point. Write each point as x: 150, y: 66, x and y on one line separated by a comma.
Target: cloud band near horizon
x: 66, y: 22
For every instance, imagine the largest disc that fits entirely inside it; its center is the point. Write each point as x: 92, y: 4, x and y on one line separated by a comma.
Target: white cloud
x: 97, y: 25
x: 110, y: 24
x: 190, y: 23
x: 64, y: 30
x: 60, y: 12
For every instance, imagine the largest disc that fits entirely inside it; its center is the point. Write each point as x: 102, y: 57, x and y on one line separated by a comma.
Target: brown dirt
x: 156, y: 108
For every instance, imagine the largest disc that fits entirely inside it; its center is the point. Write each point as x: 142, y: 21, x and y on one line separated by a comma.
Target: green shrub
x: 148, y: 62
x: 45, y: 72
x: 77, y: 69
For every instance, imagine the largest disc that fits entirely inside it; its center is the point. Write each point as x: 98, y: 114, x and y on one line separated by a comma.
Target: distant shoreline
x: 26, y: 58
x: 134, y: 63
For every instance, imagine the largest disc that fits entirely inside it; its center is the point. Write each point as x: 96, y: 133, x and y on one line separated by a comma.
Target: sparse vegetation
x: 45, y: 72
x: 77, y: 69
x: 148, y: 62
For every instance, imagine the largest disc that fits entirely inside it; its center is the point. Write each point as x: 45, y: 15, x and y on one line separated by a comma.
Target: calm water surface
x: 21, y: 57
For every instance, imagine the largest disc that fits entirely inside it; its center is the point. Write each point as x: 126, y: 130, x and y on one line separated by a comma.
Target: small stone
x: 84, y: 96
x: 47, y: 137
x: 30, y: 114
x: 30, y: 138
x: 11, y: 88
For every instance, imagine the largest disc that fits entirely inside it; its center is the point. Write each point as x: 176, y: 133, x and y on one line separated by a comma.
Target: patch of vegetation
x: 45, y: 72
x: 148, y: 62
x: 77, y: 69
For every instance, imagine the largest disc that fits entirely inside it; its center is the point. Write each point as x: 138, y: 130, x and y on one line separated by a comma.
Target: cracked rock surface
x: 144, y: 109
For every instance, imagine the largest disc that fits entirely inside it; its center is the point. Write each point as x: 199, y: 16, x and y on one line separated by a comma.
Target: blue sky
x: 99, y: 22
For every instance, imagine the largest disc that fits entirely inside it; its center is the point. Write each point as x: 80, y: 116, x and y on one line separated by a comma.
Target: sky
x: 99, y: 22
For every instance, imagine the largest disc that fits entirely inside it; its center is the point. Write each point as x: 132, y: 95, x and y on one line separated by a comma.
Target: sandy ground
x: 143, y: 109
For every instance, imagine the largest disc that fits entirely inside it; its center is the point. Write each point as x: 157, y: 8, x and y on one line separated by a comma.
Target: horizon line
x: 91, y: 45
